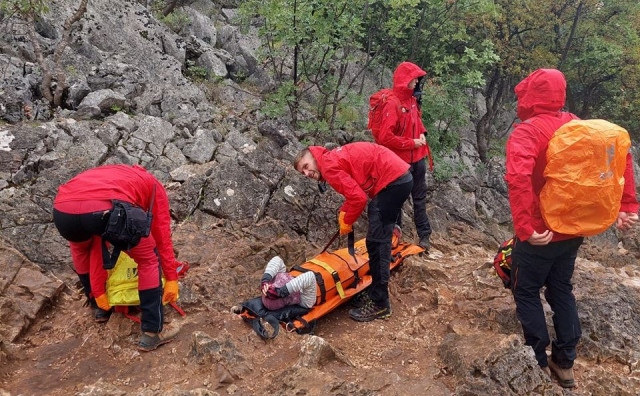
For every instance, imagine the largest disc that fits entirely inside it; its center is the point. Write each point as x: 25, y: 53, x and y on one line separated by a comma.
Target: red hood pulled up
x: 543, y: 91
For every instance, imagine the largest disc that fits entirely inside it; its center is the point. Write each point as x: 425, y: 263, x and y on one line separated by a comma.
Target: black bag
x: 127, y: 225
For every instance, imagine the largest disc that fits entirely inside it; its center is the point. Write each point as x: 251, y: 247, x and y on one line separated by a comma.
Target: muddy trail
x: 450, y: 293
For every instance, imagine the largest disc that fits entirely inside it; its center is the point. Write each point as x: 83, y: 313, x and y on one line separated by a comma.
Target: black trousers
x: 552, y: 265
x: 419, y: 198
x: 383, y: 211
x: 80, y: 227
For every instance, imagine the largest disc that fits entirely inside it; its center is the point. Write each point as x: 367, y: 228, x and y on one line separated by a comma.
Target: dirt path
x: 450, y: 291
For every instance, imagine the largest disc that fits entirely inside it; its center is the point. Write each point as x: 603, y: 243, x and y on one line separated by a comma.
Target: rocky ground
x: 453, y: 331
x: 236, y: 202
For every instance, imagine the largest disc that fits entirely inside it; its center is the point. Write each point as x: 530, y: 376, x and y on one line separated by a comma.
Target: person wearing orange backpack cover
x: 357, y: 171
x: 540, y: 256
x: 402, y: 131
x: 82, y: 209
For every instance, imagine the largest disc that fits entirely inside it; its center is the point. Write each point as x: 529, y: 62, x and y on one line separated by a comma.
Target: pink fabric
x: 280, y: 280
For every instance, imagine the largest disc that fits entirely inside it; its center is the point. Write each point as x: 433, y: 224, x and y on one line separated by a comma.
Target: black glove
x: 277, y: 292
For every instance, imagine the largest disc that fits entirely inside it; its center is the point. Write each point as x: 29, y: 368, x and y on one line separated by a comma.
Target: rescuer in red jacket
x: 359, y: 171
x: 541, y: 257
x: 81, y: 211
x: 403, y: 132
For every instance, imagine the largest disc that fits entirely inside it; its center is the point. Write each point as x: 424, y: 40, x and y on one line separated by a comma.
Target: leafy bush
x: 176, y: 20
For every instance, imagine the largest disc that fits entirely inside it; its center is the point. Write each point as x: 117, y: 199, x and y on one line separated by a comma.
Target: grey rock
x: 105, y: 100
x: 201, y: 148
x: 213, y: 64
x: 78, y: 90
x: 122, y: 121
x: 201, y: 26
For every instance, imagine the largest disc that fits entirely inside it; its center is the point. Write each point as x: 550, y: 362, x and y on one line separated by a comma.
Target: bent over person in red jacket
x: 357, y: 171
x: 82, y: 209
x: 403, y: 132
x: 540, y: 256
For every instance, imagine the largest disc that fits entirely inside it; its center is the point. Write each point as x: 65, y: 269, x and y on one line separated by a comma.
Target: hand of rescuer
x: 170, y: 293
x: 344, y: 227
x: 102, y: 301
x: 626, y: 220
x: 540, y: 239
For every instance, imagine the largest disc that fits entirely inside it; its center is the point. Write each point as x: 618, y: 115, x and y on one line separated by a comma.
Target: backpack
x: 122, y: 285
x: 376, y: 104
x: 502, y: 262
x: 586, y: 160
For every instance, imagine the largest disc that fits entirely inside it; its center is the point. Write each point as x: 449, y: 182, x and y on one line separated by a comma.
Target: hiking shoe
x: 150, y: 341
x: 425, y: 243
x: 370, y: 312
x: 236, y: 309
x: 360, y: 300
x: 565, y: 375
x: 546, y: 371
x: 100, y: 315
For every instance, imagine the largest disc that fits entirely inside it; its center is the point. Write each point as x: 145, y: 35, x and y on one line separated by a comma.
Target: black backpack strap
x: 319, y: 281
x: 109, y: 260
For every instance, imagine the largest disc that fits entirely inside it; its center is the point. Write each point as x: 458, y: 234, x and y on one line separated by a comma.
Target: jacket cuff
x: 629, y: 207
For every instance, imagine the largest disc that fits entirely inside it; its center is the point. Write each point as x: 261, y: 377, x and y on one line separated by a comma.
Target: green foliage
x: 323, y: 38
x: 24, y: 7
x: 276, y: 104
x: 176, y: 20
x: 196, y: 73
x: 445, y: 170
x: 115, y: 108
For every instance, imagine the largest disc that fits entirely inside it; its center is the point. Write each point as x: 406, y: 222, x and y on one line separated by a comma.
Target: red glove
x: 103, y: 302
x: 344, y: 227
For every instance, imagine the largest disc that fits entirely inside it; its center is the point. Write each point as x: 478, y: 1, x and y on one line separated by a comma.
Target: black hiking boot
x: 360, y: 300
x: 369, y: 312
x: 425, y: 243
x: 100, y: 315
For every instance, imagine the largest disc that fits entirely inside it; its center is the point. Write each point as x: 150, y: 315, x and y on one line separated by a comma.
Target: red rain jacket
x: 358, y: 170
x: 132, y: 184
x: 541, y: 96
x: 402, y: 119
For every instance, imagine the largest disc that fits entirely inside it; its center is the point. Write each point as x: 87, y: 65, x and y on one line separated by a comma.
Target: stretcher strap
x: 333, y: 273
x: 319, y: 281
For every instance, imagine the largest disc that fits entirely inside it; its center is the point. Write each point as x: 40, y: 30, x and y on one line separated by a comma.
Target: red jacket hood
x: 405, y: 72
x: 542, y: 92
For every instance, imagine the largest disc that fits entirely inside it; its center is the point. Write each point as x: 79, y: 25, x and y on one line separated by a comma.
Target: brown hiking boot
x: 150, y: 341
x: 565, y: 375
x: 546, y: 370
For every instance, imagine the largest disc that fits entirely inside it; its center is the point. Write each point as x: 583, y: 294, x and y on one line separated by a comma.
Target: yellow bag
x: 586, y: 160
x: 122, y: 283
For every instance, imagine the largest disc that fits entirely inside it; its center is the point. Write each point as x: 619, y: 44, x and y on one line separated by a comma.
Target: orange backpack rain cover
x: 586, y: 160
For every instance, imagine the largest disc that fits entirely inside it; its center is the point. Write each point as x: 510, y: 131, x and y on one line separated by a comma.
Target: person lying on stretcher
x: 279, y: 288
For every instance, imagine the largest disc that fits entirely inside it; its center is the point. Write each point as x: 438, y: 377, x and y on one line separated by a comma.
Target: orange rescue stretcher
x: 339, y: 277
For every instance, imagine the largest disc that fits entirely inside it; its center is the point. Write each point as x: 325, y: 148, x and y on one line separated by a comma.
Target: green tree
x: 314, y: 51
